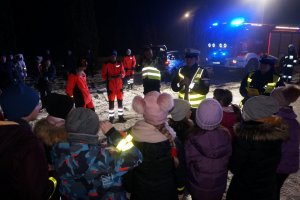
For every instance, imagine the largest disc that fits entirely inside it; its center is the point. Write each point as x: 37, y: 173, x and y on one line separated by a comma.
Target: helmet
x: 128, y: 51
x: 266, y: 59
x: 291, y: 46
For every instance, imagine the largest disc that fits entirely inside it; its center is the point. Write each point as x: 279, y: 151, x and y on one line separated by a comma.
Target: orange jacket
x: 80, y: 81
x: 111, y: 71
x: 129, y: 64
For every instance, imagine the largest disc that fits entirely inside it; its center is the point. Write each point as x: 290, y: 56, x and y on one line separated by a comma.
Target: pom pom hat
x: 154, y: 107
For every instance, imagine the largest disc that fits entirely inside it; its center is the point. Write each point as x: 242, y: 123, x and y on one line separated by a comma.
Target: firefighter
x: 113, y: 72
x: 191, y: 81
x: 262, y: 81
x: 289, y: 61
x: 150, y: 72
x: 129, y: 63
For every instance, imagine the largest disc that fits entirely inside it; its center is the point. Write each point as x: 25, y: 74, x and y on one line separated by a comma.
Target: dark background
x: 32, y: 26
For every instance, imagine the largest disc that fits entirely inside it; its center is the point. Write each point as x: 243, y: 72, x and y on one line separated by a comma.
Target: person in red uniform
x: 113, y: 72
x: 77, y: 87
x: 129, y: 63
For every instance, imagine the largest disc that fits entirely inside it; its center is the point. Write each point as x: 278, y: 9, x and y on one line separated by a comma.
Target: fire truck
x: 239, y: 44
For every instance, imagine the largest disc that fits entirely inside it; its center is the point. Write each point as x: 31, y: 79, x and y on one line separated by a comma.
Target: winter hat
x: 259, y: 107
x: 209, y: 114
x: 114, y: 53
x: 180, y: 109
x: 154, y: 106
x: 286, y: 95
x: 18, y: 101
x: 82, y: 120
x: 58, y: 105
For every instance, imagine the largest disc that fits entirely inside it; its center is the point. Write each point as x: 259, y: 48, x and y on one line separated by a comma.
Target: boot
x: 121, y: 119
x: 111, y: 120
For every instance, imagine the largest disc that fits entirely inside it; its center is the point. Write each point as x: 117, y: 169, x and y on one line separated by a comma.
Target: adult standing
x: 129, y: 63
x: 191, y: 81
x: 113, y: 72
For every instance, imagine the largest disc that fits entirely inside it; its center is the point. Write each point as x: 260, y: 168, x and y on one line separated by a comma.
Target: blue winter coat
x: 89, y: 171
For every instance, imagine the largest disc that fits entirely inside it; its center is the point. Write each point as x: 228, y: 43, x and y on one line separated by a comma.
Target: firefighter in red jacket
x: 77, y: 87
x: 113, y: 72
x: 129, y: 63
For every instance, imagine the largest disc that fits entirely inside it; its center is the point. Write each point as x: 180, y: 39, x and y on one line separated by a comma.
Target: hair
x: 224, y: 96
x: 48, y: 133
x: 182, y: 128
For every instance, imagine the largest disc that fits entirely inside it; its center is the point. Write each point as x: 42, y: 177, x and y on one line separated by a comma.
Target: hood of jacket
x: 261, y: 131
x: 144, y: 132
x: 212, y: 144
x: 287, y: 113
x: 49, y: 133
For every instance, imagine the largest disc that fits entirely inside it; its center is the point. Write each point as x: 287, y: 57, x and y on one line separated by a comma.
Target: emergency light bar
x: 287, y: 27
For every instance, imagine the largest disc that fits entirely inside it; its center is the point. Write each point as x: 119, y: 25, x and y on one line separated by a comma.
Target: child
x: 289, y: 162
x: 207, y: 152
x: 160, y: 176
x: 86, y: 170
x: 231, y: 112
x: 23, y: 165
x: 180, y: 121
x: 256, y: 151
x: 77, y: 87
x: 51, y: 130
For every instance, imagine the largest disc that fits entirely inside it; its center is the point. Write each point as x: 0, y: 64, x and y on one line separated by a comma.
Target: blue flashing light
x: 237, y: 21
x: 224, y: 53
x: 215, y: 24
x: 215, y: 53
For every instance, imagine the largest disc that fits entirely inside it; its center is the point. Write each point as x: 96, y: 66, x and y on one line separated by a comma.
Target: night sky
x: 41, y: 24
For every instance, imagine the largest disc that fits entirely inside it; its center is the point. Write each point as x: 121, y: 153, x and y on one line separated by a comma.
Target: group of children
x: 160, y: 157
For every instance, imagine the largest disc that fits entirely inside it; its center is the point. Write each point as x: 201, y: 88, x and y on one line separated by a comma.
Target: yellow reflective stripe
x: 151, y: 74
x: 180, y: 74
x: 149, y: 68
x: 2, y: 123
x: 180, y: 189
x: 53, y: 180
x: 125, y: 143
x: 249, y: 79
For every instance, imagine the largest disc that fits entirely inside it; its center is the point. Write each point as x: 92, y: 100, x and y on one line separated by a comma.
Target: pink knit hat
x: 154, y: 106
x: 209, y: 114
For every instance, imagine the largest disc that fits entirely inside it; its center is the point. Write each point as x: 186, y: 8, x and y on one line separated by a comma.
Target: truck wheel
x: 252, y: 65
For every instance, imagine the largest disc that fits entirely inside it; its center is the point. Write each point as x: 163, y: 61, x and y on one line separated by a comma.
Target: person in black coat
x: 23, y: 165
x: 261, y: 81
x: 256, y: 151
x: 46, y: 79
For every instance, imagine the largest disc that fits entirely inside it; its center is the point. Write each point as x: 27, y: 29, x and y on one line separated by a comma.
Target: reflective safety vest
x: 151, y: 73
x: 269, y: 87
x: 194, y: 98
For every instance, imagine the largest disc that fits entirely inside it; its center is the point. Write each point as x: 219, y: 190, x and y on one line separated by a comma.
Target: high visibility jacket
x: 129, y: 63
x: 267, y: 88
x: 151, y: 76
x: 194, y: 97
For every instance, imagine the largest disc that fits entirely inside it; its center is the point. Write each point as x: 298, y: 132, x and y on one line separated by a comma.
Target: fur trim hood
x: 262, y: 131
x: 49, y: 133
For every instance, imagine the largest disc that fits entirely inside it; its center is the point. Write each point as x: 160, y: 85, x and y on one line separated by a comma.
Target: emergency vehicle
x: 239, y: 44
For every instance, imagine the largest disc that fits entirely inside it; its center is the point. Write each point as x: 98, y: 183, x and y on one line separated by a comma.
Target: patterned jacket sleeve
x: 127, y: 155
